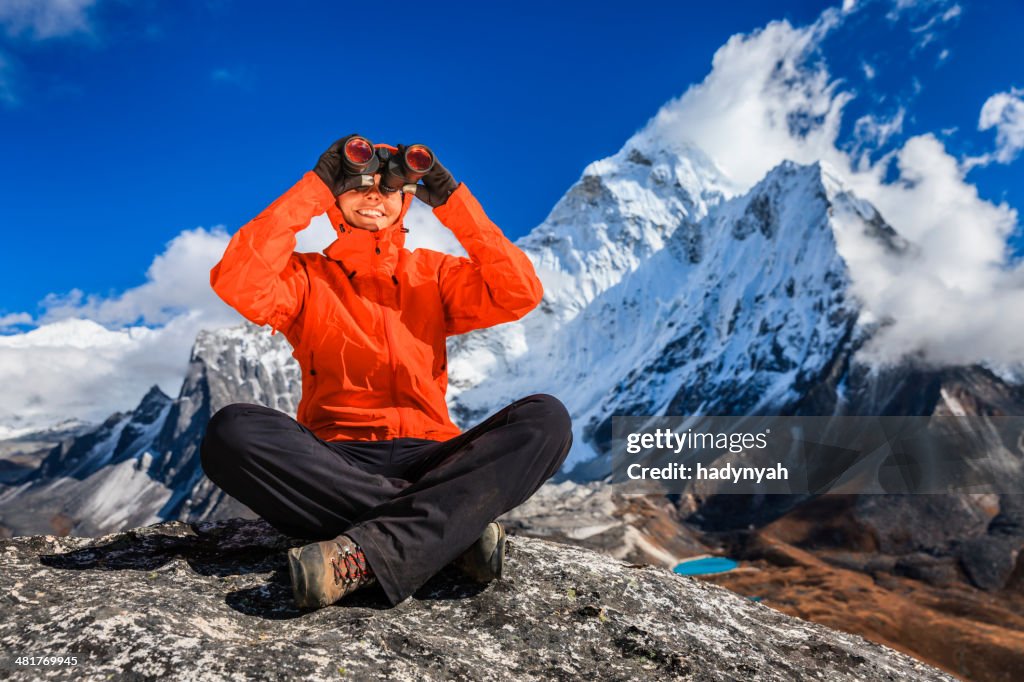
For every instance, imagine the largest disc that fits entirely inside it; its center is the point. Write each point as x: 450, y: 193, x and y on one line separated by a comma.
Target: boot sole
x: 498, y: 558
x: 303, y: 578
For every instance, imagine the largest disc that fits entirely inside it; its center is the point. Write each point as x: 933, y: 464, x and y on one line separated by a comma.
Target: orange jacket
x: 368, y: 318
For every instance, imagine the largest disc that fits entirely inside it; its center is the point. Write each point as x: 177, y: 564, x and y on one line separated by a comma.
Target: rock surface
x: 212, y: 601
x: 640, y: 529
x: 836, y: 560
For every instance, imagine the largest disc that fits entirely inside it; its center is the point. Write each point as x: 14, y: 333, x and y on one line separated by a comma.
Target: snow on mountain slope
x: 49, y: 433
x: 621, y: 211
x: 717, y: 306
x: 100, y: 477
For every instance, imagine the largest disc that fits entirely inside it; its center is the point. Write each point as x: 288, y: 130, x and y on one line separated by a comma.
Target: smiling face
x: 368, y: 208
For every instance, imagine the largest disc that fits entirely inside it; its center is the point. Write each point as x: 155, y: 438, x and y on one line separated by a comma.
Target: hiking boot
x: 324, y: 572
x: 484, y: 561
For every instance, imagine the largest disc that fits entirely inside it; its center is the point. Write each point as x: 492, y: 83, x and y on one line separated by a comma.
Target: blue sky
x: 131, y: 122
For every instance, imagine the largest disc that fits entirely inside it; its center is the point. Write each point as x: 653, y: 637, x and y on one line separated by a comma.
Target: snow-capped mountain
x: 143, y: 466
x: 666, y: 292
x: 688, y: 302
x: 22, y: 450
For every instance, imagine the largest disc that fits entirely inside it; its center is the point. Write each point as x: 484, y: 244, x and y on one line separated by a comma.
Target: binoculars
x: 397, y: 171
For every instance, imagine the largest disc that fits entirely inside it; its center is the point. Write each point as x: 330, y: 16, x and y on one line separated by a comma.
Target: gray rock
x: 936, y: 571
x: 991, y: 560
x: 212, y: 601
x: 643, y: 529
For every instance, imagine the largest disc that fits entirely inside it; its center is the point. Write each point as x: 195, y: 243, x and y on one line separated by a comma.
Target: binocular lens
x: 359, y: 151
x: 418, y: 158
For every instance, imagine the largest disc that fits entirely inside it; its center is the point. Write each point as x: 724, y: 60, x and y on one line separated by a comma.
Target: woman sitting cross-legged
x: 373, y: 469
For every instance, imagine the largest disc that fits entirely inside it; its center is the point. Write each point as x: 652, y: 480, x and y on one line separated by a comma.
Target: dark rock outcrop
x: 212, y: 601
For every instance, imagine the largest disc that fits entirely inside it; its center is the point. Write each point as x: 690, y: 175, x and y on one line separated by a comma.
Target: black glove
x: 332, y: 171
x: 438, y: 184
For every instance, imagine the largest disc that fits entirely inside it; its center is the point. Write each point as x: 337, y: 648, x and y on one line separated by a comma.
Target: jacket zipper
x: 390, y: 346
x: 312, y: 389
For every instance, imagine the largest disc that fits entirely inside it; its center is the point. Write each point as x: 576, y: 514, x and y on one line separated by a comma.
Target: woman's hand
x: 332, y: 171
x: 438, y: 183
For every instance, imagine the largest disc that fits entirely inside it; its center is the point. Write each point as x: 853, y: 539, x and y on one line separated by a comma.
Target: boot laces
x: 350, y: 566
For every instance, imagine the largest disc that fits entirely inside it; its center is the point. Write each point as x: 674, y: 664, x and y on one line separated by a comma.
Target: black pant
x: 413, y: 505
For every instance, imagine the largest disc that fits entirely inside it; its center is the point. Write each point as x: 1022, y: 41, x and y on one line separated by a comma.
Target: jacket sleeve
x: 259, y: 276
x: 496, y: 284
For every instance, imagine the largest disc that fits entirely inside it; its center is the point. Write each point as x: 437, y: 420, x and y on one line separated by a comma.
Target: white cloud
x: 38, y: 20
x: 764, y: 101
x: 957, y: 300
x: 934, y: 14
x: 177, y: 282
x: 1004, y: 111
x: 769, y: 97
x: 874, y: 131
x: 869, y: 71
x: 77, y: 368
x: 12, y: 319
x: 900, y: 7
x: 948, y: 15
x: 43, y: 19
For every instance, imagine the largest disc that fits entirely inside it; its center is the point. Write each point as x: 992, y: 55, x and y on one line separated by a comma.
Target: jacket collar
x: 357, y: 249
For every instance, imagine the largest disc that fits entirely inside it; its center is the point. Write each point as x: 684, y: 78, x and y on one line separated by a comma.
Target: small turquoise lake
x: 705, y: 566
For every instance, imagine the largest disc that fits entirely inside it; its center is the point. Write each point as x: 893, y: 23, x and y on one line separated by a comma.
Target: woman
x: 373, y: 468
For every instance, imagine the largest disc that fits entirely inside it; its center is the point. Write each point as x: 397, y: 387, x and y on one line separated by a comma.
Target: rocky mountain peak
x: 154, y: 398
x: 244, y: 364
x: 621, y: 210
